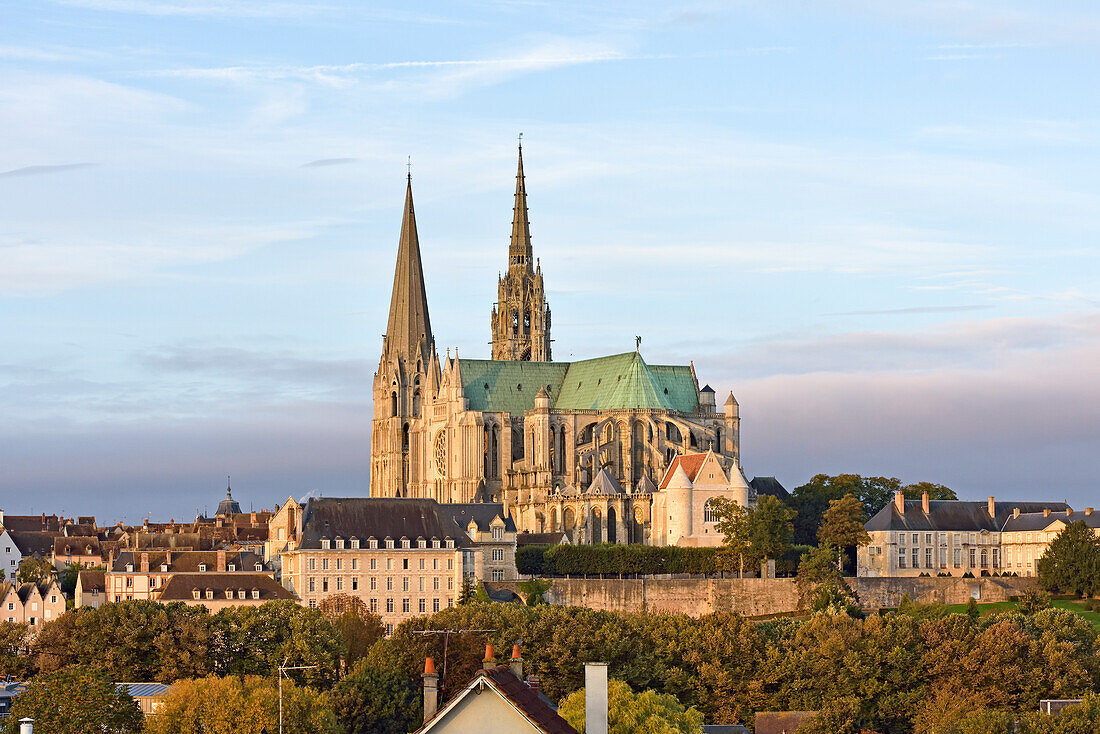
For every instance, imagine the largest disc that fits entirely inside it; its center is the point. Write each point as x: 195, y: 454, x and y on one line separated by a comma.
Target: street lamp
x: 282, y: 672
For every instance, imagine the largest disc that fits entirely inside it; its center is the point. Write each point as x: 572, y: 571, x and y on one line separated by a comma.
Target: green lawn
x: 1005, y: 606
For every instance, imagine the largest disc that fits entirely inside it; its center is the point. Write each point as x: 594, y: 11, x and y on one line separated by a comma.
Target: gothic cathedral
x: 605, y: 450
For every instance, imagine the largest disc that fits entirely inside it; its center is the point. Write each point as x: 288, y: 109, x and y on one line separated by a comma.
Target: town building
x: 149, y: 696
x: 932, y: 537
x: 32, y: 604
x: 282, y: 531
x: 91, y: 588
x: 145, y: 574
x: 494, y: 537
x: 217, y: 591
x: 1027, y: 535
x: 10, y: 557
x: 402, y: 557
x: 574, y: 447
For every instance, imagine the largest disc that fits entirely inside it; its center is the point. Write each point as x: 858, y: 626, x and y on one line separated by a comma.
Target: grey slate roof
x: 388, y: 517
x: 144, y: 690
x: 541, y: 538
x: 1038, y: 521
x: 181, y: 585
x: 953, y: 515
x: 604, y: 483
x: 769, y: 485
x: 483, y: 514
x: 33, y: 542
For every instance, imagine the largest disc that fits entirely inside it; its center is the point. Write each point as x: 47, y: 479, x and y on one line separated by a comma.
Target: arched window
x: 709, y: 515
x: 515, y: 322
x: 526, y: 321
x: 718, y: 439
x: 609, y: 432
x: 393, y: 404
x: 672, y: 433
x: 405, y: 437
x: 416, y: 403
x: 586, y: 433
x: 692, y: 440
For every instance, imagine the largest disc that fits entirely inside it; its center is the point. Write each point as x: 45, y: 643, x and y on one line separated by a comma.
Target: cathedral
x: 606, y: 450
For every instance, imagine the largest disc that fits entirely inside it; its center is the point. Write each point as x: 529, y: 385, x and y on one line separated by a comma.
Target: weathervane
x: 409, y: 167
x: 521, y: 140
x: 637, y: 343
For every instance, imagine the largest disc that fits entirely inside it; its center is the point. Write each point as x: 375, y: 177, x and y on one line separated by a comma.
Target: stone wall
x: 762, y: 597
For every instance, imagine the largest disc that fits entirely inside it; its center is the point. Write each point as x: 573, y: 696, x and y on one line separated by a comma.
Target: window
x: 231, y: 567
x: 435, y: 605
x: 985, y: 558
x: 312, y: 583
x: 373, y: 543
x: 339, y: 544
x: 928, y: 537
x: 129, y: 581
x: 498, y: 574
x: 195, y: 593
x: 450, y: 584
x: 389, y: 606
x: 435, y: 584
x: 209, y: 593
x: 355, y: 584
x: 916, y: 538
x: 389, y: 583
x: 355, y: 543
x: 943, y: 557
x: 957, y: 558
x: 281, y: 535
x: 450, y: 564
x: 312, y: 564
x: 421, y: 543
x: 901, y: 538
x: 435, y: 564
x: 405, y: 584
x: 259, y: 567
x: 373, y: 583
x: 325, y: 544
x: 928, y: 558
x: 423, y: 605
x: 708, y: 512
x: 421, y: 564
x: 324, y: 584
x: 916, y: 558
x: 229, y: 593
x: 312, y: 603
x: 324, y: 564
x: 374, y: 564
x: 389, y: 542
x: 354, y: 564
x: 339, y: 564
x: 421, y: 580
x: 450, y: 542
x: 255, y: 593
x: 996, y: 558
x: 498, y: 533
x: 373, y: 605
x: 973, y: 552
x: 406, y: 543
x: 498, y: 554
x: 404, y: 564
x: 405, y: 606
x: 389, y: 629
x: 339, y: 583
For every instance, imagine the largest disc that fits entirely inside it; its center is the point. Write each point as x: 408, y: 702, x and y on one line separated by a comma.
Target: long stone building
x: 577, y: 447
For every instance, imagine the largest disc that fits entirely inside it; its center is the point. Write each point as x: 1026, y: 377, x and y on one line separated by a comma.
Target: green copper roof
x: 618, y: 382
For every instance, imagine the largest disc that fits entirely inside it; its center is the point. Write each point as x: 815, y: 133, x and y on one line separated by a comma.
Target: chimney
x: 431, y: 689
x: 490, y: 662
x: 221, y: 561
x: 1088, y: 512
x: 144, y: 563
x: 924, y: 503
x: 145, y: 524
x: 992, y: 508
x: 516, y: 663
x: 595, y: 698
x: 1069, y: 512
x: 26, y: 726
x: 899, y: 501
x: 168, y: 558
x: 1015, y: 512
x: 253, y: 518
x: 1046, y: 512
x: 111, y: 560
x: 533, y: 683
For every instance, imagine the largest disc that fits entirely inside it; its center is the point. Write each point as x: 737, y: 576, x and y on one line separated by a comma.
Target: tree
x: 770, y: 528
x: 241, y: 705
x: 34, y: 571
x: 468, y: 593
x: 14, y: 658
x: 1032, y: 601
x: 842, y: 526
x: 935, y: 491
x: 821, y: 587
x: 647, y: 712
x: 375, y: 698
x: 535, y: 589
x: 733, y: 524
x: 67, y: 578
x: 1071, y: 563
x: 359, y: 628
x: 76, y: 700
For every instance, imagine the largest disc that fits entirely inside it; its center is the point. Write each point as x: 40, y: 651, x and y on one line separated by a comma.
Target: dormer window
x: 389, y: 542
x: 355, y: 543
x: 229, y: 593
x: 372, y: 543
x: 255, y: 593
x: 202, y: 568
x: 209, y: 593
x: 259, y: 567
x: 339, y: 544
x: 421, y: 543
x: 196, y: 594
x: 435, y: 542
x: 450, y: 542
x: 240, y: 594
x: 406, y: 543
x: 231, y: 567
x: 325, y: 543
x: 164, y: 568
x: 498, y: 533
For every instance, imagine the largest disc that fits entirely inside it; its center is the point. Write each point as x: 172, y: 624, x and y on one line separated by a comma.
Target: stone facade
x: 574, y: 447
x: 1026, y: 536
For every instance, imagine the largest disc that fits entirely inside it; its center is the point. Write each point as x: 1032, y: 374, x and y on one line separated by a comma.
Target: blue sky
x: 875, y: 222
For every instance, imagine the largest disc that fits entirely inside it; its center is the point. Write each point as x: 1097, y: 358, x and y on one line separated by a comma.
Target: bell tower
x: 521, y: 316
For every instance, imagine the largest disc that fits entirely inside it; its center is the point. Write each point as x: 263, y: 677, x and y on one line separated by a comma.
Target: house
x: 925, y: 536
x: 216, y: 591
x: 494, y: 536
x: 497, y: 701
x: 148, y: 695
x: 683, y: 509
x: 32, y: 604
x: 10, y: 557
x: 143, y: 575
x: 91, y: 588
x: 8, y: 691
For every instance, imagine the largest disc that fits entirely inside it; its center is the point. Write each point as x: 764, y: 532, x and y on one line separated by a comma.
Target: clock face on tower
x: 441, y: 453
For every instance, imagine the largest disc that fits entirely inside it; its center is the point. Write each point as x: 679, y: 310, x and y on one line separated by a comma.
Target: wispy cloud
x: 204, y: 8
x: 911, y: 310
x: 325, y: 162
x: 39, y: 170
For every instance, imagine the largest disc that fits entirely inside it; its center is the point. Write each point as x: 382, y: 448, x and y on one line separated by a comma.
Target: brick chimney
x: 595, y: 698
x: 111, y: 560
x: 252, y: 516
x: 924, y: 503
x: 168, y: 558
x: 221, y: 561
x: 516, y: 663
x: 992, y: 508
x: 1088, y: 512
x: 899, y: 501
x: 1046, y: 512
x: 144, y: 563
x: 1015, y: 512
x: 490, y: 662
x: 533, y: 682
x: 431, y: 689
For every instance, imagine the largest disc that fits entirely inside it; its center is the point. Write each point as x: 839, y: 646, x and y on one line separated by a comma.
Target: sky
x: 876, y: 223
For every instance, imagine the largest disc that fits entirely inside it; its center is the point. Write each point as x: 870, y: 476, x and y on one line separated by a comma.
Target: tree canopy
x: 647, y: 712
x: 76, y: 700
x: 34, y: 570
x: 1071, y: 563
x: 377, y: 699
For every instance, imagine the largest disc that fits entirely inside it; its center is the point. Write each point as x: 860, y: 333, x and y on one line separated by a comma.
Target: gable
x: 710, y: 473
x: 469, y: 715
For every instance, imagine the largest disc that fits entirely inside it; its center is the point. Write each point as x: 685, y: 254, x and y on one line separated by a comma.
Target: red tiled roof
x: 690, y: 463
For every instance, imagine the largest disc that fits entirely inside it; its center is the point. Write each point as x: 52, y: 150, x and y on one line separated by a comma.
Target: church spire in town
x: 519, y: 251
x: 409, y: 330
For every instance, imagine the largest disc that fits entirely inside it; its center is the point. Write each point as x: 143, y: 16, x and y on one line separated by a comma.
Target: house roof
x: 604, y: 483
x: 481, y: 513
x: 181, y: 586
x: 541, y: 539
x: 381, y: 517
x: 50, y: 523
x: 954, y: 515
x: 690, y: 463
x: 1038, y: 521
x: 539, y: 711
x: 769, y: 485
x: 144, y: 690
x: 617, y: 382
x: 92, y: 580
x: 32, y: 542
x: 781, y: 722
x: 77, y: 546
x: 188, y: 561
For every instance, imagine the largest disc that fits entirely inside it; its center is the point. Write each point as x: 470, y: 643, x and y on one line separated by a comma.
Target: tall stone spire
x: 409, y: 330
x: 519, y: 251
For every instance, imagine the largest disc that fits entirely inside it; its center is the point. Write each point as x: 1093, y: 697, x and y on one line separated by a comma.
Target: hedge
x: 613, y: 560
